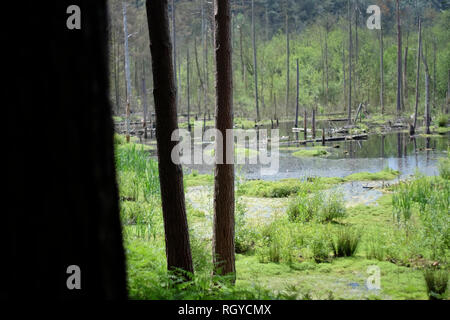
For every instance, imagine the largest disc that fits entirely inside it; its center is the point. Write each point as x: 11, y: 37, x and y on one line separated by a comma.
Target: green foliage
x: 195, y: 179
x: 442, y: 120
x: 385, y: 174
x: 436, y: 281
x: 319, y: 206
x: 345, y: 242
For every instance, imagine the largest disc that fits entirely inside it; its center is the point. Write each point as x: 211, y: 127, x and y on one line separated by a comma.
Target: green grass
x: 283, y: 258
x: 315, y: 152
x: 195, y: 179
x: 385, y: 174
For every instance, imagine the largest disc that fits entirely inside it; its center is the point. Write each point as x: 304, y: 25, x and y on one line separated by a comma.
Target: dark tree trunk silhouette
x: 170, y: 174
x: 223, y: 236
x: 64, y: 193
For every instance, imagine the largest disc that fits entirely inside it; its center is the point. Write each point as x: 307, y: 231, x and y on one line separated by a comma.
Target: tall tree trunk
x: 356, y: 65
x: 419, y: 52
x: 345, y: 78
x: 144, y: 100
x: 381, y: 72
x: 287, y: 58
x: 174, y: 48
x: 223, y: 238
x: 241, y: 51
x: 427, y: 94
x: 350, y: 49
x: 297, y: 98
x: 405, y: 75
x: 74, y: 218
x: 188, y: 90
x: 199, y: 75
x: 170, y: 174
x: 255, y: 63
x: 326, y: 60
x: 399, y: 60
x: 127, y: 70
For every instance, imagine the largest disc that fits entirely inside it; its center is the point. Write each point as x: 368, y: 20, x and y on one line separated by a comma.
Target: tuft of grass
x: 345, y: 242
x: 436, y: 281
x: 318, y: 206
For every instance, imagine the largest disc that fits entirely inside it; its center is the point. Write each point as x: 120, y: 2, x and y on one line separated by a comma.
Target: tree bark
x: 170, y: 174
x: 223, y: 237
x: 381, y: 72
x: 287, y: 59
x: 349, y: 115
x: 427, y: 94
x: 419, y: 52
x: 399, y: 61
x: 144, y: 100
x: 255, y: 63
x: 127, y: 70
x: 188, y: 91
x: 297, y: 98
x: 68, y: 213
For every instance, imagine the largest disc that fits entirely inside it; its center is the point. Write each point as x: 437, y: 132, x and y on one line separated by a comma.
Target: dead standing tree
x: 170, y: 174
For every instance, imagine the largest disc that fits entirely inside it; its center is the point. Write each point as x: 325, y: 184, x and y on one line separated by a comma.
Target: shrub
x: 436, y: 281
x: 345, y: 242
x: 244, y: 234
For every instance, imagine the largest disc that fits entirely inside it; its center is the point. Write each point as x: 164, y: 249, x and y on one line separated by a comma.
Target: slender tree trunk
x: 199, y: 74
x: 305, y: 125
x: 405, y: 75
x: 170, y: 174
x: 419, y: 52
x: 188, y: 90
x: 350, y: 49
x: 399, y: 61
x: 255, y: 62
x: 356, y: 66
x: 326, y: 60
x: 75, y: 217
x: 223, y: 237
x: 381, y: 72
x: 434, y: 71
x: 427, y: 94
x: 241, y: 51
x: 287, y: 59
x: 345, y: 78
x: 297, y: 98
x: 313, y: 123
x: 144, y: 100
x: 127, y: 70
